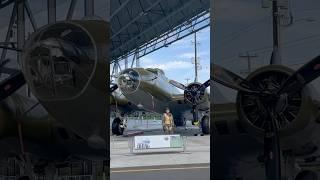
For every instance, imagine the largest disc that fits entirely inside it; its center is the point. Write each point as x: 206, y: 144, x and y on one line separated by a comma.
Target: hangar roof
x: 141, y: 26
x: 135, y: 23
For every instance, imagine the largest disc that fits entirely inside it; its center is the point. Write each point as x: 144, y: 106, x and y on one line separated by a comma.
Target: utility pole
x: 187, y: 79
x: 275, y: 57
x: 281, y: 14
x: 248, y: 56
x: 196, y: 63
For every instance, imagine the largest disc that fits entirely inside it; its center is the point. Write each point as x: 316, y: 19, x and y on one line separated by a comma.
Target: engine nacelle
x: 296, y: 120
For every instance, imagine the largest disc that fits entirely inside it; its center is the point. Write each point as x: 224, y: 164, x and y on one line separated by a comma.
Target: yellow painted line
x: 158, y: 169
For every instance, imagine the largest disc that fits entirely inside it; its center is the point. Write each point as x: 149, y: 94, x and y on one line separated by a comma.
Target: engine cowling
x: 296, y: 113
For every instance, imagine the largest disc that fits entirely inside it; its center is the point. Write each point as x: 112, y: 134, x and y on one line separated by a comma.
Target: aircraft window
x: 222, y: 127
x: 155, y: 71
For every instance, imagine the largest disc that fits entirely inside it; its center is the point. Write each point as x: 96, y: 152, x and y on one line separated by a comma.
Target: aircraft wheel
x: 205, y: 125
x: 116, y: 129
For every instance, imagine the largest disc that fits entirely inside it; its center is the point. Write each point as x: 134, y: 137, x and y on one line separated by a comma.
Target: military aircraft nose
x: 129, y: 81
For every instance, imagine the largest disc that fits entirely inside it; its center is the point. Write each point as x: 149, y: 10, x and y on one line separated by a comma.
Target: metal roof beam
x: 5, y: 3
x: 71, y: 9
x: 173, y: 35
x: 12, y: 19
x: 119, y: 8
x: 20, y: 28
x: 135, y: 19
x: 51, y: 7
x: 173, y: 13
x: 30, y: 15
x: 88, y: 8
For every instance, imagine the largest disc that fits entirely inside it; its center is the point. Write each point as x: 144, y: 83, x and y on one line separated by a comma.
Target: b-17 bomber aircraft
x: 150, y: 90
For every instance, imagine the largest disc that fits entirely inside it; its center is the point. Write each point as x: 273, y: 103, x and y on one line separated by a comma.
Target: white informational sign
x: 158, y: 142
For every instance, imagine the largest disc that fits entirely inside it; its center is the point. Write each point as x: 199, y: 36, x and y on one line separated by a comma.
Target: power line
x: 269, y: 48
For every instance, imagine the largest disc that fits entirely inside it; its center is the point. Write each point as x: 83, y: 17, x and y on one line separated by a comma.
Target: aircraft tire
x: 116, y: 129
x: 205, y: 125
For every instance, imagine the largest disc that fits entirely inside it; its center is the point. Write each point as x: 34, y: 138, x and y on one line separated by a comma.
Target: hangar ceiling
x: 147, y: 25
x: 137, y: 26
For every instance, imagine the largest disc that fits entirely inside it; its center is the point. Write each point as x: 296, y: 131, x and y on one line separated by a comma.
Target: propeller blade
x: 302, y: 76
x: 177, y: 84
x: 205, y: 85
x: 231, y: 80
x: 113, y: 88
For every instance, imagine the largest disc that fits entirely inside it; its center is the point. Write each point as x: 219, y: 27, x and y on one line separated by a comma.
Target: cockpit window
x: 59, y: 65
x: 156, y: 71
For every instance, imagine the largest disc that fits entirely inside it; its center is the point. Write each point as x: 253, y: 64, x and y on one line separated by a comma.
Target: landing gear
x: 205, y: 125
x: 118, y: 126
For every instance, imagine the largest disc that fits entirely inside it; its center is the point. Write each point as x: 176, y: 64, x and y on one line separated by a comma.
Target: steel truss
x: 154, y: 25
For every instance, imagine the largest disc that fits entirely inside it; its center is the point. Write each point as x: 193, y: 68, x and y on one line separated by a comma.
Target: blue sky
x: 175, y: 60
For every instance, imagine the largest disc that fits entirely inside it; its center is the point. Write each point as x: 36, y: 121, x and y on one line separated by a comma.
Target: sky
x: 176, y: 59
x: 247, y: 27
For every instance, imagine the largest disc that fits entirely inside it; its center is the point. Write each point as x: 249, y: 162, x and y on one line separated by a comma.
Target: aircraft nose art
x: 65, y: 66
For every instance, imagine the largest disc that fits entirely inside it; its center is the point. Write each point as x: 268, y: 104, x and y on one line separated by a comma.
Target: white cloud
x: 171, y: 65
x: 190, y: 55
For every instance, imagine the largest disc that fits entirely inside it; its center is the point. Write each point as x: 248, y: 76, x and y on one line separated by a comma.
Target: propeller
x: 271, y: 139
x: 194, y: 94
x: 297, y: 81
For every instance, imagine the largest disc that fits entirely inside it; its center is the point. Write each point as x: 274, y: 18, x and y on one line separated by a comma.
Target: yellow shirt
x: 167, y: 119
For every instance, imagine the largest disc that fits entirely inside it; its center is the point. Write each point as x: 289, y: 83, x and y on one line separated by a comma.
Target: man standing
x: 167, y: 122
